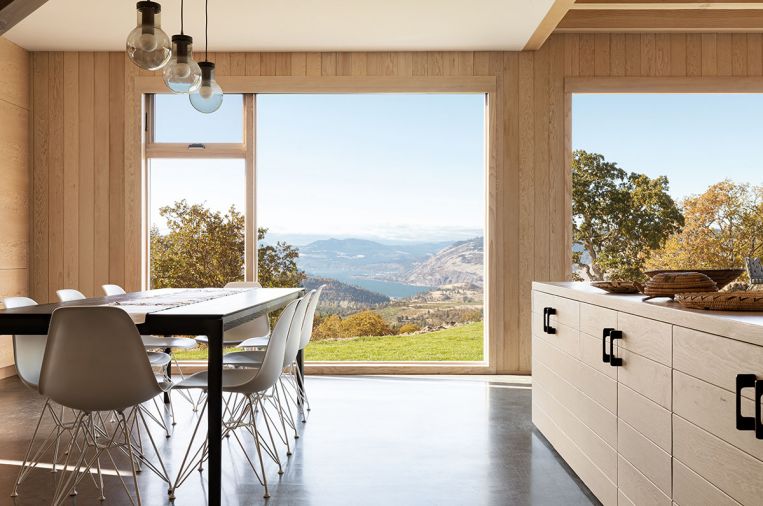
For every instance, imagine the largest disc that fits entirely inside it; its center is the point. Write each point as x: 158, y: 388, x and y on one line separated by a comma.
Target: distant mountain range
x: 338, y: 297
x: 423, y: 264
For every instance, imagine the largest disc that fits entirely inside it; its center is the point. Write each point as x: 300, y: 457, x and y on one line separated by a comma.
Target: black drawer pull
x: 547, y: 328
x: 746, y: 381
x: 604, y: 335
x: 613, y: 360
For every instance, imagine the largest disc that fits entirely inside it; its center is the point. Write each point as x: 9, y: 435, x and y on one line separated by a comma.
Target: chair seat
x: 183, y: 343
x: 244, y: 358
x: 205, y: 340
x: 255, y: 342
x: 158, y: 359
x: 232, y: 378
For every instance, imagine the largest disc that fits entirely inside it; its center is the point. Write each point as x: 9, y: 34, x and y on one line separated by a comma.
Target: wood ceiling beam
x: 546, y: 27
x: 655, y: 20
x: 13, y: 11
x: 609, y: 5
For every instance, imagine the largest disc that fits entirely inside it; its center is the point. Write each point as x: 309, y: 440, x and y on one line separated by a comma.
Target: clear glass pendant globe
x: 208, y: 98
x: 183, y: 77
x: 149, y: 47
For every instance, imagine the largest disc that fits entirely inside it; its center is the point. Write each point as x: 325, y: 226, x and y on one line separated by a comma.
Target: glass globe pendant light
x: 209, y: 96
x: 147, y: 45
x: 182, y: 74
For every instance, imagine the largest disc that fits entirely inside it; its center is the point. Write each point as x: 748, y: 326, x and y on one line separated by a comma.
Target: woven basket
x: 722, y: 277
x: 722, y: 301
x: 669, y: 284
x: 617, y: 286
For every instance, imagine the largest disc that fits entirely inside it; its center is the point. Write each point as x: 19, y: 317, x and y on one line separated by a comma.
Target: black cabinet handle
x: 758, y: 417
x: 604, y: 335
x: 613, y: 360
x: 747, y: 381
x: 547, y: 328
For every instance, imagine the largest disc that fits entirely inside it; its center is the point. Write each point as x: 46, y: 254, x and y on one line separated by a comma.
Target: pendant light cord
x: 181, y: 17
x: 206, y: 30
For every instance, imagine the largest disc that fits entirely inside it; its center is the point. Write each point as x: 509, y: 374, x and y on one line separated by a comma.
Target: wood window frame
x: 144, y: 86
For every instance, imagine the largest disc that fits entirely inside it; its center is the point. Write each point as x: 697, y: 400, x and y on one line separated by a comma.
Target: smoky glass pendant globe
x: 148, y: 46
x: 182, y: 74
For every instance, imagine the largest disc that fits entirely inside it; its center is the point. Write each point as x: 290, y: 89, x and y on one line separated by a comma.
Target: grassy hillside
x: 457, y: 343
x: 460, y: 343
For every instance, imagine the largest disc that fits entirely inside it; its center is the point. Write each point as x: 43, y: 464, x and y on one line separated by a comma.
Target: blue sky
x: 394, y: 167
x: 694, y: 139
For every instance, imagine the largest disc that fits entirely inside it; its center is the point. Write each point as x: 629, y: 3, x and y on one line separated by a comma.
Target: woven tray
x: 617, y: 286
x: 722, y: 301
x: 669, y: 284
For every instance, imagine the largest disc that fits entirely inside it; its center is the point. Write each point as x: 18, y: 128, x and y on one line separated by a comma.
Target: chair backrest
x: 295, y: 331
x: 28, y: 350
x: 69, y: 294
x: 259, y: 327
x: 113, y: 290
x: 95, y: 360
x: 307, y: 327
x: 754, y: 270
x: 272, y: 362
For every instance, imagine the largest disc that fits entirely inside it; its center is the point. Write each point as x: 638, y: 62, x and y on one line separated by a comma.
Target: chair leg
x: 132, y: 460
x: 25, y: 463
x: 259, y: 450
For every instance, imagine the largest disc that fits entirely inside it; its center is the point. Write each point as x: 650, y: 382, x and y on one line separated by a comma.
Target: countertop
x: 740, y: 325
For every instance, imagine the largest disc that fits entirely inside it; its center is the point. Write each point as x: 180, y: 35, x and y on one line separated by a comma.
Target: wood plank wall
x: 14, y: 166
x: 86, y: 210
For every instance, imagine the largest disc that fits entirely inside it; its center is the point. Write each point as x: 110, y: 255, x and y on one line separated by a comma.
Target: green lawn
x: 458, y: 343
x: 463, y: 343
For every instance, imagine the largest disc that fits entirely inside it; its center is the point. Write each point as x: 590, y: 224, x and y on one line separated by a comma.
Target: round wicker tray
x: 722, y: 301
x: 617, y: 286
x: 722, y: 277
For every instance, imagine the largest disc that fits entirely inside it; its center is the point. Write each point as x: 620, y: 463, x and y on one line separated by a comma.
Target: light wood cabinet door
x: 647, y: 377
x: 649, y: 338
x: 646, y: 416
x: 638, y: 490
x: 714, y: 359
x: 650, y: 460
x: 567, y: 310
x: 591, y: 355
x: 691, y: 489
x: 564, y: 337
x: 714, y: 410
x: 736, y: 473
x: 594, y: 319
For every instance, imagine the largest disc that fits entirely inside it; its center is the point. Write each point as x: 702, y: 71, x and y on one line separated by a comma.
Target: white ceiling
x: 293, y: 25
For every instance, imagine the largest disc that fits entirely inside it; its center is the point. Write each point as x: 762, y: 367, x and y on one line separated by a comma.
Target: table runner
x: 138, y: 309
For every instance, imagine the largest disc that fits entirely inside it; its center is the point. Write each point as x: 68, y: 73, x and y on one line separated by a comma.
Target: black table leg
x: 215, y: 410
x: 169, y: 374
x: 300, y: 377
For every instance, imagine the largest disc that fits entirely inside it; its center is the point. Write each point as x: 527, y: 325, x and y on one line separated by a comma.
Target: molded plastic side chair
x: 242, y: 409
x: 158, y: 360
x: 28, y: 352
x: 95, y: 362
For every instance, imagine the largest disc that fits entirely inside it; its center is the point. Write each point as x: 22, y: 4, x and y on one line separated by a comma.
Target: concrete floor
x: 370, y: 440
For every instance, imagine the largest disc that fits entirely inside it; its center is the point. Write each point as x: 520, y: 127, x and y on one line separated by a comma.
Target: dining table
x: 172, y: 312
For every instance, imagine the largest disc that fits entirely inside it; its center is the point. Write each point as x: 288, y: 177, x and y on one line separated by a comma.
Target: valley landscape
x: 413, y: 288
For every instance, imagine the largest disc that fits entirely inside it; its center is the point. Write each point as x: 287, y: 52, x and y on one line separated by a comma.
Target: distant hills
x: 343, y: 298
x: 460, y: 262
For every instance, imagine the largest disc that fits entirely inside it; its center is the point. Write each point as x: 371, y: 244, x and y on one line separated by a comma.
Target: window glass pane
x: 175, y: 120
x: 384, y: 195
x: 196, y: 222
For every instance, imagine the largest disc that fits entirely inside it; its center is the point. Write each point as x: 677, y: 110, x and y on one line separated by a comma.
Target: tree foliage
x: 723, y: 226
x: 364, y: 323
x: 619, y: 218
x: 205, y: 248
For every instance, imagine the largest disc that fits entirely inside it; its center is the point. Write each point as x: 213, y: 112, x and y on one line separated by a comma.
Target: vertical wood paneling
x: 40, y: 174
x: 86, y: 198
x: 723, y: 49
x: 648, y: 55
x: 662, y: 54
x: 116, y: 169
x: 571, y: 54
x: 617, y: 54
x: 632, y: 54
x: 754, y: 56
x: 678, y: 54
x: 694, y: 62
x: 739, y: 54
x: 709, y: 55
x: 56, y: 176
x: 587, y: 54
x: 602, y: 57
x: 526, y: 238
x: 102, y: 168
x: 70, y: 228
